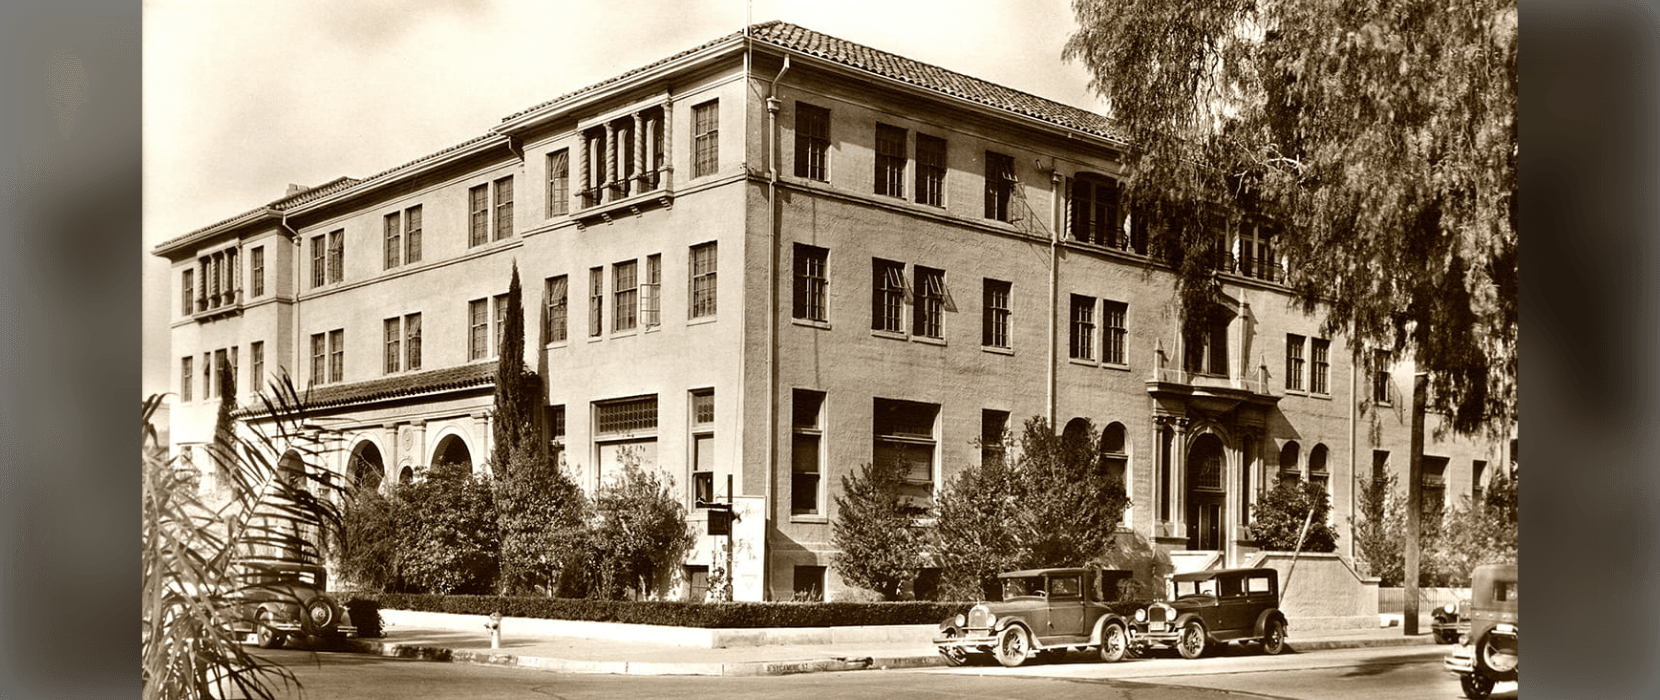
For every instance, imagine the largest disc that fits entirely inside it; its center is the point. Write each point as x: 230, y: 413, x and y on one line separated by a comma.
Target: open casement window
x: 904, y: 432
x: 999, y: 185
x: 337, y: 255
x: 1093, y: 214
x: 412, y: 342
x: 929, y: 318
x: 651, y: 293
x: 887, y: 299
x: 806, y: 453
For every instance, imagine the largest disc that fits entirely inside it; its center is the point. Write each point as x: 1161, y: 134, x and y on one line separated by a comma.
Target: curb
x: 754, y: 668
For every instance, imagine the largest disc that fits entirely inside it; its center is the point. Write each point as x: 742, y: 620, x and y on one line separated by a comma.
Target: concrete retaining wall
x: 1324, y: 591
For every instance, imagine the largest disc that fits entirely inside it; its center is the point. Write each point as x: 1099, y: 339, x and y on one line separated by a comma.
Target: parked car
x: 1217, y: 607
x: 281, y: 600
x: 1451, y: 621
x: 1491, y: 650
x: 1045, y: 613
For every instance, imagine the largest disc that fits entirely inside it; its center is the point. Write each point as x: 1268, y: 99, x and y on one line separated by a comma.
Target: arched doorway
x: 452, y: 450
x: 366, y: 467
x: 1205, y: 493
x: 291, y: 469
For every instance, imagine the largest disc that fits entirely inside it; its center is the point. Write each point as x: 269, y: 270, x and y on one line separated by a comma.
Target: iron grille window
x: 703, y: 408
x: 706, y: 138
x: 703, y: 280
x: 890, y: 160
x: 930, y: 302
x: 559, y: 182
x: 393, y: 226
x: 930, y: 170
x: 478, y: 329
x: 558, y: 308
x: 412, y: 341
x: 626, y: 292
x: 812, y: 141
x: 504, y: 207
x: 626, y: 416
x: 651, y: 293
x: 1112, y: 343
x: 187, y: 377
x: 888, y: 296
x: 412, y: 234
x: 994, y: 331
x: 1320, y: 382
x: 596, y: 301
x: 1083, y: 328
x: 478, y: 208
x: 811, y: 283
x: 337, y: 255
x: 256, y: 263
x: 999, y: 185
x: 1293, y: 362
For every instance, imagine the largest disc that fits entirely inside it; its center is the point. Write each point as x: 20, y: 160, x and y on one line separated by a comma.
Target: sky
x: 243, y: 98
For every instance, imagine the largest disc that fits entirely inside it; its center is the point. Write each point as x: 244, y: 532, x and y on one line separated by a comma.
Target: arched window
x: 1114, y: 454
x: 1317, y: 473
x: 1290, y: 468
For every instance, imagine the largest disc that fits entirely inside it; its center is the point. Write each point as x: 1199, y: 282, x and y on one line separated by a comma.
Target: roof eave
x: 183, y: 244
x: 397, y: 176
x: 538, y: 117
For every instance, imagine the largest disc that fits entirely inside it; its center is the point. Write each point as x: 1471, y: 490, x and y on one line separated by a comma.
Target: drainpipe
x: 294, y: 262
x: 772, y: 318
x: 1054, y: 289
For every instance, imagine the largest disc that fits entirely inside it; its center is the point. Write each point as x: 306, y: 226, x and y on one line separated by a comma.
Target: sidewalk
x: 604, y: 656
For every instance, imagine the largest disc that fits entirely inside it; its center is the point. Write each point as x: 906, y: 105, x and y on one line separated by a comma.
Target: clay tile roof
x: 275, y: 207
x: 800, y: 39
x: 447, y: 379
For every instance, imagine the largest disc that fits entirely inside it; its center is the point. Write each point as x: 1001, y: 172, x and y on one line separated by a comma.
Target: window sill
x: 653, y: 329
x: 625, y: 333
x: 809, y: 519
x: 595, y: 338
x: 1324, y: 397
x: 890, y: 335
x: 558, y: 344
x: 700, y: 321
x: 926, y: 340
x: 811, y: 323
x: 1295, y: 392
x: 1115, y: 366
x: 1082, y: 362
x: 993, y: 349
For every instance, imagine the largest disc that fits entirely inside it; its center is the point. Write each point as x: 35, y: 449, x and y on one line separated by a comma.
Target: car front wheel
x: 268, y: 636
x: 1273, y: 638
x: 1014, y: 646
x: 1191, y: 641
x: 1114, y: 643
x: 1476, y: 686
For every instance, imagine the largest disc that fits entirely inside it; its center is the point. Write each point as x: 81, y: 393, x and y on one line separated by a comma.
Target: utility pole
x: 1415, y: 502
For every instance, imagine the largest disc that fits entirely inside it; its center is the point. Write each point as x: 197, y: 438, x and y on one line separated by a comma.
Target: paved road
x: 1358, y: 674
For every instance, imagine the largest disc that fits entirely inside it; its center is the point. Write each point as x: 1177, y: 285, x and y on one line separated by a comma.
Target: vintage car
x: 1216, y: 607
x: 1045, y: 613
x: 1490, y: 651
x: 281, y: 600
x: 1451, y: 621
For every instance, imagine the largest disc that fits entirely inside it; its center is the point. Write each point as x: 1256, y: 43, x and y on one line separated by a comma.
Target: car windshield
x: 1022, y: 586
x: 1187, y: 588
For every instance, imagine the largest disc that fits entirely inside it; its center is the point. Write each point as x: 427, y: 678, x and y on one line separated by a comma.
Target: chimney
x: 294, y: 189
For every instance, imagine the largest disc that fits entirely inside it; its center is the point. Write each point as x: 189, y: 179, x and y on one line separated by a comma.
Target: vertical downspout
x: 772, y: 314
x: 1054, y: 290
x: 294, y: 262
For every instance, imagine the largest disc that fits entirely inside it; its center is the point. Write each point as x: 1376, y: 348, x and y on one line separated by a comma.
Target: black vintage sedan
x: 1216, y: 607
x: 1043, y: 614
x: 281, y: 600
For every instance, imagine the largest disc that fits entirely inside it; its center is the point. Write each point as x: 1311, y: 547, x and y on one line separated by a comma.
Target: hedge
x: 675, y: 613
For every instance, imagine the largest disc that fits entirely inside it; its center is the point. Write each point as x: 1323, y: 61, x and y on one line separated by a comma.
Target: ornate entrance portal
x: 1205, y: 494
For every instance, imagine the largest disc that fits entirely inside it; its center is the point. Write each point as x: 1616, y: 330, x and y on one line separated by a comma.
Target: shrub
x: 367, y: 550
x: 448, y: 541
x: 543, y: 519
x: 1278, y: 518
x: 638, y: 532
x: 678, y: 613
x: 876, y: 530
x: 365, y: 613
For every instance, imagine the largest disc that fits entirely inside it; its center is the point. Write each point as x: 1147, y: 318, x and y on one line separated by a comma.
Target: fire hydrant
x: 494, y: 625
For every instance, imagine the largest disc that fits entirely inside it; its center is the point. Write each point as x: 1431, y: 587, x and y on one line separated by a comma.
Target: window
x: 504, y: 207
x: 625, y: 430
x: 1094, y: 211
x: 626, y: 292
x: 1293, y: 362
x: 1317, y: 471
x: 318, y: 266
x: 412, y: 342
x: 651, y: 293
x: 1256, y: 253
x: 218, y: 281
x: 1206, y: 352
x: 808, y: 585
x: 703, y: 444
x: 394, y: 239
x: 556, y: 433
x: 1083, y: 328
x: 697, y: 582
x: 1290, y: 469
x: 1478, y: 469
x: 412, y: 234
x: 394, y: 345
x: 703, y: 280
x: 478, y: 329
x: 319, y: 358
x: 1320, y: 381
x: 811, y: 283
x: 189, y: 306
x: 337, y: 255
x: 994, y: 326
x: 1434, y: 492
x: 478, y: 212
x: 256, y: 261
x: 256, y: 361
x: 187, y: 378
x: 930, y: 170
x: 219, y: 366
x: 1380, y: 376
x: 890, y: 160
x: 904, y: 432
x: 888, y: 295
x: 999, y: 185
x: 706, y: 138
x: 500, y: 319
x: 558, y: 309
x: 930, y: 303
x: 812, y: 142
x: 1113, y: 314
x: 596, y: 301
x: 559, y: 182
x: 337, y: 355
x: 993, y: 425
x: 806, y: 456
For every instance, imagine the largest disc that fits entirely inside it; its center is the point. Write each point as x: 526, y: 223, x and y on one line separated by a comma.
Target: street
x: 1353, y: 674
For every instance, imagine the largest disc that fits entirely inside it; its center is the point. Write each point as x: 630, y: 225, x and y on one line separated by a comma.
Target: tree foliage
x: 876, y: 530
x: 638, y: 532
x: 518, y: 389
x: 1054, y: 505
x: 543, y: 517
x: 1453, y: 541
x: 447, y: 531
x: 1278, y: 517
x: 368, y: 551
x: 1380, y: 137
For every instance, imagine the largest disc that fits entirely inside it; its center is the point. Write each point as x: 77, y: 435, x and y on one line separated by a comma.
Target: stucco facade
x: 765, y: 262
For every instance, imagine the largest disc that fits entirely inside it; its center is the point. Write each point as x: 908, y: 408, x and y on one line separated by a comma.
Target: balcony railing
x: 212, y: 305
x: 1254, y: 381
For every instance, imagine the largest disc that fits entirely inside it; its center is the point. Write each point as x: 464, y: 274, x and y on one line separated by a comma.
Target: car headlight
x: 1141, y: 614
x: 1450, y: 608
x: 961, y: 620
